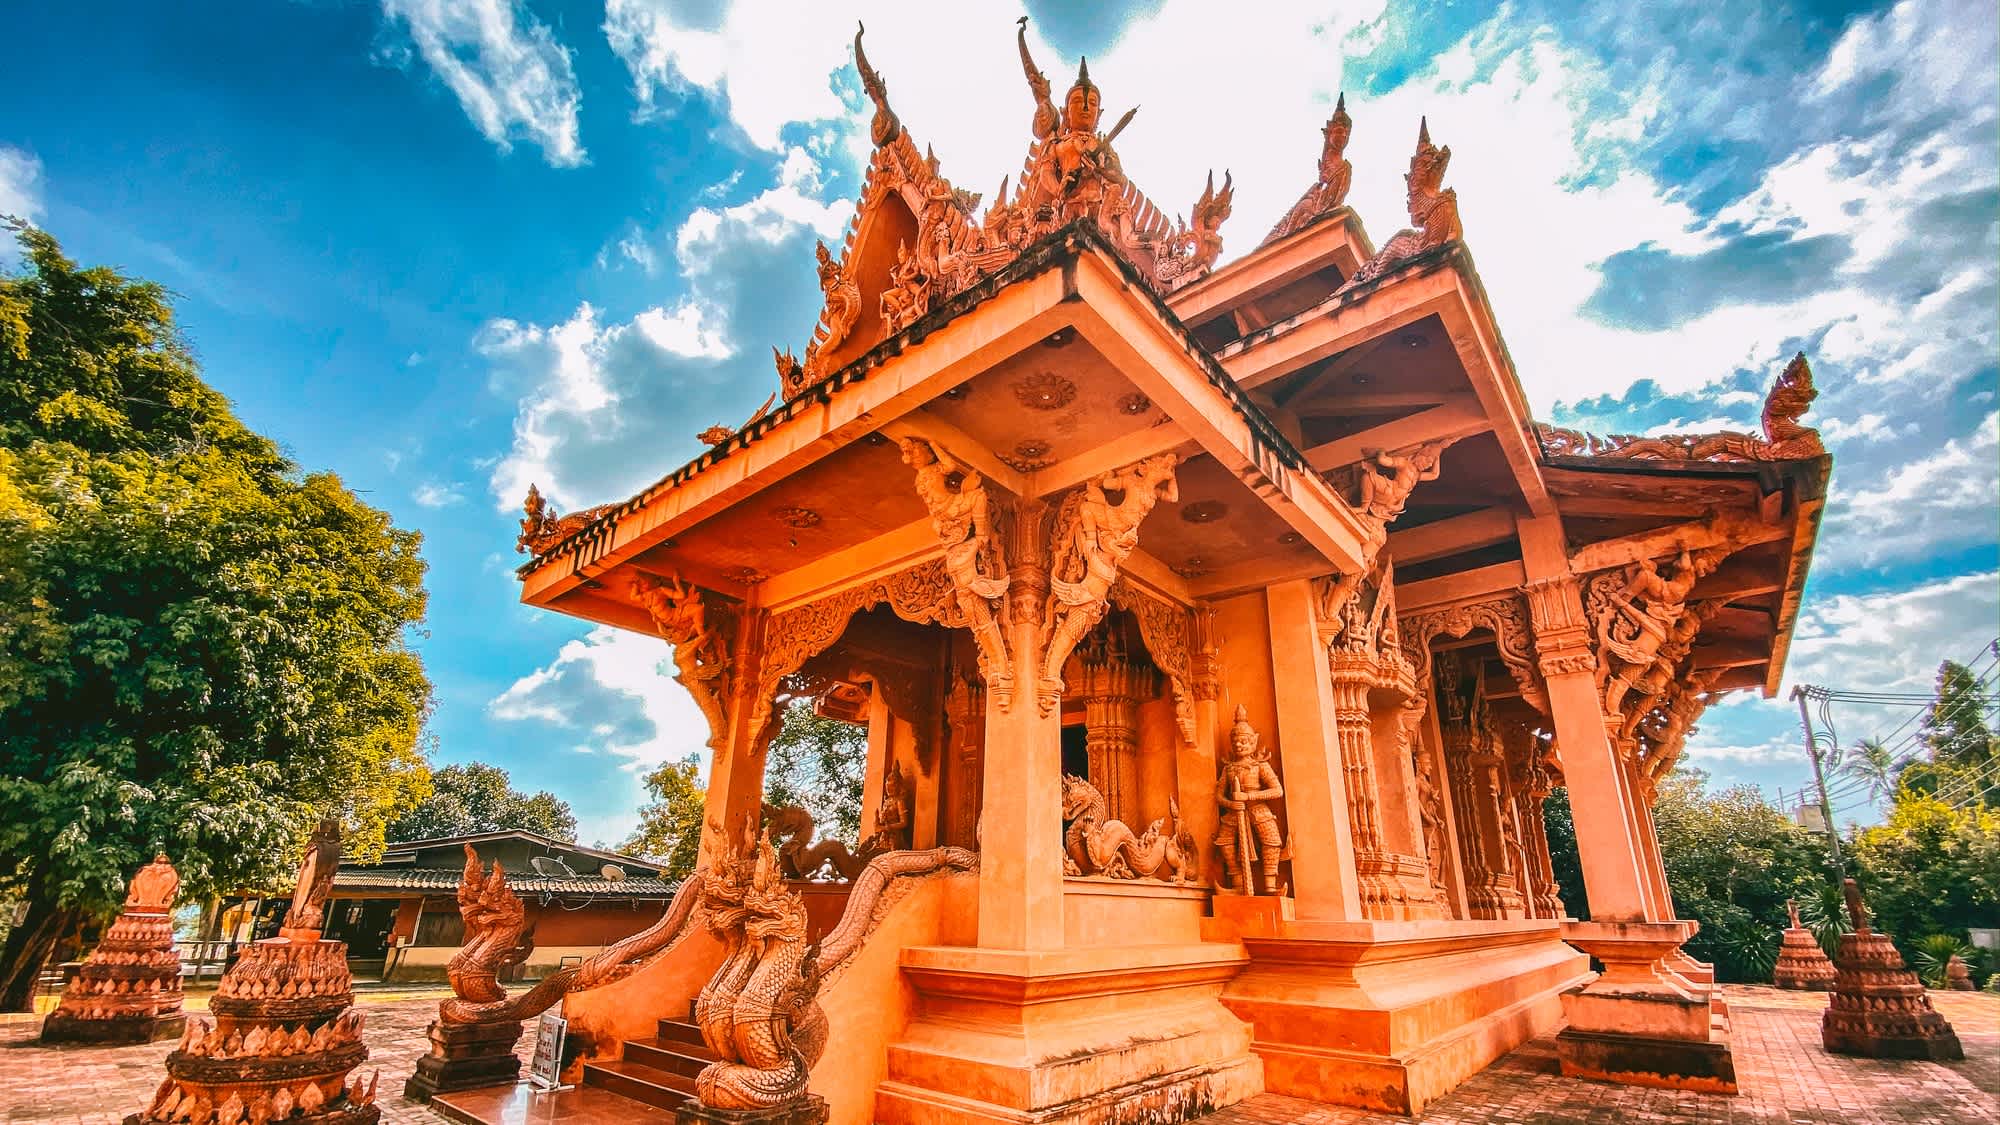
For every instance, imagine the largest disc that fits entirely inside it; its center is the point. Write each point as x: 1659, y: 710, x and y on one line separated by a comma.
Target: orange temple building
x: 1237, y: 616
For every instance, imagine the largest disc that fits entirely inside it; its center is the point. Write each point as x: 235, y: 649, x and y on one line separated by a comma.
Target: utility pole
x: 1819, y: 778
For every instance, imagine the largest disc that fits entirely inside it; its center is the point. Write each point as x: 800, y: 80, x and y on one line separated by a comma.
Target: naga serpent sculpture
x: 799, y: 855
x: 760, y: 1012
x: 1094, y: 845
x: 473, y: 972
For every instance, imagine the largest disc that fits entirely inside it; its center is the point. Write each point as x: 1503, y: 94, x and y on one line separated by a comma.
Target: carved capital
x: 963, y: 517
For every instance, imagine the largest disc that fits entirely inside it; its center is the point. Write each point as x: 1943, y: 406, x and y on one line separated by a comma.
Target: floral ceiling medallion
x: 1045, y: 391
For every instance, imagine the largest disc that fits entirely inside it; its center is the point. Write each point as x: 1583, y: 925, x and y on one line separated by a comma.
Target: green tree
x: 819, y: 764
x: 1731, y: 862
x: 466, y: 799
x: 1932, y: 869
x: 1963, y: 765
x: 814, y: 762
x: 201, y: 648
x: 669, y: 829
x: 1871, y: 764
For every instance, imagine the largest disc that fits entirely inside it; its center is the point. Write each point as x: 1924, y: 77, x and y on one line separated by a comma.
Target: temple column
x: 1324, y: 880
x: 1352, y: 727
x: 1020, y: 820
x: 1640, y: 1021
x: 1437, y: 796
x: 1608, y: 836
x: 1111, y: 687
x: 736, y: 769
x: 1195, y: 763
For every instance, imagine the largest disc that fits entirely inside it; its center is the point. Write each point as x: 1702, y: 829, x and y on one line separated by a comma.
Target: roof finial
x: 1424, y: 131
x: 884, y: 127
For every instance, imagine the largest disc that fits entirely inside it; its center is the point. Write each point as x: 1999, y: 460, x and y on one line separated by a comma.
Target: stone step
x: 682, y: 1031
x: 642, y: 1083
x: 669, y: 1054
x: 576, y: 1105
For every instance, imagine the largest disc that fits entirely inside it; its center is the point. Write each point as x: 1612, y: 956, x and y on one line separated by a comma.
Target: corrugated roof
x: 445, y: 879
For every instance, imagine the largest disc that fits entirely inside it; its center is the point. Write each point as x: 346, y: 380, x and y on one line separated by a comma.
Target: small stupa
x: 1878, y: 1007
x: 1957, y: 977
x: 129, y: 988
x: 282, y: 1034
x: 1802, y: 964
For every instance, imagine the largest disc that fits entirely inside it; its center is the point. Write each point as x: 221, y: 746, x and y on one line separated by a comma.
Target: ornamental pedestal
x: 1640, y: 1022
x: 1802, y: 964
x: 281, y: 1035
x: 129, y: 988
x: 1879, y: 1007
x: 809, y: 1110
x: 466, y: 1056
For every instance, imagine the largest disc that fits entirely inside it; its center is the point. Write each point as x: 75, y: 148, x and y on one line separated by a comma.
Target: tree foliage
x: 669, y: 829
x: 1931, y: 869
x: 815, y: 763
x: 1962, y: 763
x: 1731, y: 861
x: 201, y: 648
x: 467, y: 799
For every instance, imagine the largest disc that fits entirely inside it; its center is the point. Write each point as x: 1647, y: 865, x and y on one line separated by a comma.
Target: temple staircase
x: 658, y: 1072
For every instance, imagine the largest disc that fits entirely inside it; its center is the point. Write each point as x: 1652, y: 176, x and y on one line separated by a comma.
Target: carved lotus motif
x: 1045, y: 391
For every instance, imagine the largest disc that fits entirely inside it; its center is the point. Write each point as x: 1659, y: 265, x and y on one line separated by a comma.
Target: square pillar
x: 1020, y: 819
x: 1323, y: 872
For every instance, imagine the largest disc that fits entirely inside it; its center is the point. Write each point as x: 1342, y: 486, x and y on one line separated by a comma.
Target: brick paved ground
x: 1786, y: 1077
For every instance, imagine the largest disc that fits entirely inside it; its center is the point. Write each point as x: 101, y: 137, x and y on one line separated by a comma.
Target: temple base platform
x: 810, y: 1110
x: 124, y: 1030
x: 466, y: 1057
x: 1641, y: 1022
x: 1109, y: 1036
x: 1390, y: 1016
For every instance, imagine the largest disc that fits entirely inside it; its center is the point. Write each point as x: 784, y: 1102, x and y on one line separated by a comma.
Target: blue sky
x: 446, y: 247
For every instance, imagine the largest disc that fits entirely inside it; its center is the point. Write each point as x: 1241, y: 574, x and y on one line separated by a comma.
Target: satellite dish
x: 550, y: 865
x: 612, y: 873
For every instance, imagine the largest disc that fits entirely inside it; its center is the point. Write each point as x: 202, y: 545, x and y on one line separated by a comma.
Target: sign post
x: 545, y: 1070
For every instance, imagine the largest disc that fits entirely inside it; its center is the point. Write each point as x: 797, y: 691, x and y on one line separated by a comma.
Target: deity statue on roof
x: 1075, y: 171
x: 1336, y: 174
x: 1433, y: 210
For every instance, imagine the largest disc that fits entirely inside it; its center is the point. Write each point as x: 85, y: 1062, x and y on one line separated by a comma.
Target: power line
x: 1902, y: 748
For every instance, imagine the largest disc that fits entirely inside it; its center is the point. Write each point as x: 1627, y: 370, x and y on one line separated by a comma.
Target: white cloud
x: 438, y: 494
x: 506, y: 68
x: 603, y: 407
x: 611, y: 692
x: 1894, y: 640
x: 20, y: 183
x: 1945, y: 496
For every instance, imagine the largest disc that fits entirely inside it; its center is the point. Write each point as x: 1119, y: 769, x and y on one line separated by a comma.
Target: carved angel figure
x: 962, y: 518
x: 843, y: 306
x: 1433, y: 210
x: 1248, y: 830
x: 907, y: 297
x: 1388, y: 478
x: 1098, y: 536
x: 700, y: 659
x: 1336, y: 173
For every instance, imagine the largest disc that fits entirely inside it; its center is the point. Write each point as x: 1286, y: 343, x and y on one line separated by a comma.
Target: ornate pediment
x: 916, y: 240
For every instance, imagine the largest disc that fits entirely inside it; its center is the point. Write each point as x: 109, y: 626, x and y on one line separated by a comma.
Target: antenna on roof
x: 551, y: 866
x: 612, y: 873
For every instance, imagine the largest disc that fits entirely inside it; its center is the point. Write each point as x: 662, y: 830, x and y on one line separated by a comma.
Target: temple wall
x: 869, y: 1003
x: 1159, y: 740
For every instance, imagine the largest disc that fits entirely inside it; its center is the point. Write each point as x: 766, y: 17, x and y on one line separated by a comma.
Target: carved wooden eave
x: 1070, y: 283
x: 1441, y: 283
x: 1336, y: 240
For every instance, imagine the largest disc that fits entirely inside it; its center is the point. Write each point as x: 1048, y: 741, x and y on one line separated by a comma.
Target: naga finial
x: 884, y: 127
